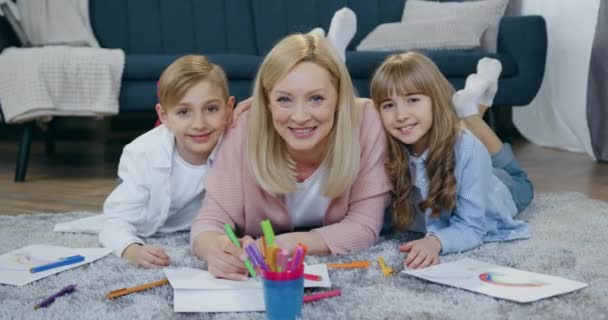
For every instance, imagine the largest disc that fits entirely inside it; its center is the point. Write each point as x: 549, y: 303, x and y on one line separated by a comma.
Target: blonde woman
x: 309, y: 156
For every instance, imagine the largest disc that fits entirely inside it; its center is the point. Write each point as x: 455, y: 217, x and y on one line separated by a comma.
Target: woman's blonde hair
x: 269, y: 163
x: 186, y: 72
x: 414, y: 73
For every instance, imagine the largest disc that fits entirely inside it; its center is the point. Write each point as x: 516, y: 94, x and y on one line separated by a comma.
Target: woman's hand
x: 224, y: 259
x: 422, y: 252
x: 146, y: 256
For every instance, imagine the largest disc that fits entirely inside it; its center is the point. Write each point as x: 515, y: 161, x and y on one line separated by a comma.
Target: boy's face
x: 408, y: 118
x: 198, y: 121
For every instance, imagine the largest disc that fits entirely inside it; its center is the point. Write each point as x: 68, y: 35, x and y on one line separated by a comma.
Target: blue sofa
x: 236, y: 34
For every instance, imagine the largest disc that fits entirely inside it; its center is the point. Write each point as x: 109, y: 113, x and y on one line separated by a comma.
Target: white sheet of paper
x: 197, y: 290
x: 317, y: 270
x: 15, y: 265
x: 241, y: 300
x: 497, y: 281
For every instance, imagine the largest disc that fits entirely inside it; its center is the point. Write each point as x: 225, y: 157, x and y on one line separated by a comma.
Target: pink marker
x: 322, y: 295
x: 298, y: 257
x: 282, y: 256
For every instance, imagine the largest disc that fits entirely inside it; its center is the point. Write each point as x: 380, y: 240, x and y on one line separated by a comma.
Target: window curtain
x: 597, y: 94
x: 557, y: 117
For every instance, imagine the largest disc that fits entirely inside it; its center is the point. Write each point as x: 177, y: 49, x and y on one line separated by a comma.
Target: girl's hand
x: 146, y: 256
x: 241, y: 107
x: 422, y: 252
x: 225, y: 260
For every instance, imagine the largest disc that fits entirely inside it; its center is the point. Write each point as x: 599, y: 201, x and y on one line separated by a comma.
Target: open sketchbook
x: 197, y: 290
x: 15, y: 265
x: 496, y: 281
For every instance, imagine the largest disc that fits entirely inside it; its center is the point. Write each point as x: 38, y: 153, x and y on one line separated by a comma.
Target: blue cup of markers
x: 283, y: 294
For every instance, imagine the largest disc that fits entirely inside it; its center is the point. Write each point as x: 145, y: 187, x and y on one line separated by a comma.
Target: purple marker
x: 253, y: 253
x: 46, y: 302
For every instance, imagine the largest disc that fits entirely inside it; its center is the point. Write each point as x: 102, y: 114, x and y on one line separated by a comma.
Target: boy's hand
x: 241, y: 107
x: 225, y: 260
x: 422, y: 252
x: 146, y: 256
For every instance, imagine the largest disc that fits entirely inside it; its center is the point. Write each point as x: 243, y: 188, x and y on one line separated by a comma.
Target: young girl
x: 458, y: 191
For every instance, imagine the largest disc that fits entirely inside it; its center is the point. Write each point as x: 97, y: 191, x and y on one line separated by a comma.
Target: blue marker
x: 62, y: 262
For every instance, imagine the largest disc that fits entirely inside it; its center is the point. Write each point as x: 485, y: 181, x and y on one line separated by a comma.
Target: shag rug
x: 569, y: 239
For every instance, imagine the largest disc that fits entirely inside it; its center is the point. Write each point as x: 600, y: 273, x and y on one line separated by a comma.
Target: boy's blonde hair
x: 414, y: 73
x: 269, y: 163
x: 186, y: 72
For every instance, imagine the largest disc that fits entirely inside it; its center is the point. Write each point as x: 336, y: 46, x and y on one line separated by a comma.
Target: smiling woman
x: 309, y: 156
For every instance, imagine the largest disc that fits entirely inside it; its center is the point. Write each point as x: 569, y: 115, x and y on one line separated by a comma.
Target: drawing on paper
x: 21, y: 261
x: 502, y: 280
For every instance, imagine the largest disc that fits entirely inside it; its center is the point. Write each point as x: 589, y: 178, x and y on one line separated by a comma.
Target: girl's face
x: 409, y: 119
x: 303, y: 107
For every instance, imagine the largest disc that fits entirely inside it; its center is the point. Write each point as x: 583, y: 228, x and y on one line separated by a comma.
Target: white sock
x: 319, y: 31
x: 467, y: 101
x: 489, y: 69
x: 342, y: 29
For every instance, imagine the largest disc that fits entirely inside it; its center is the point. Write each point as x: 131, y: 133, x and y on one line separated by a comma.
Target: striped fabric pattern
x: 485, y: 209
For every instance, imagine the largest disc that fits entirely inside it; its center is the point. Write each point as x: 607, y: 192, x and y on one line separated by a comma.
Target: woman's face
x: 303, y: 106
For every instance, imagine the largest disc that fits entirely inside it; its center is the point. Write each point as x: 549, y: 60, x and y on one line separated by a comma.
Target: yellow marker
x: 388, y: 271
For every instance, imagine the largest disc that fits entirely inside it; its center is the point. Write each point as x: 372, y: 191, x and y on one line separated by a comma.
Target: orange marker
x: 125, y: 291
x: 263, y: 242
x: 271, y: 258
x: 303, y: 247
x: 350, y: 265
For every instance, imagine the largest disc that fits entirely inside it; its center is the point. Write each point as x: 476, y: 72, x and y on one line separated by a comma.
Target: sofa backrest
x: 224, y: 26
x: 174, y: 26
x: 277, y: 18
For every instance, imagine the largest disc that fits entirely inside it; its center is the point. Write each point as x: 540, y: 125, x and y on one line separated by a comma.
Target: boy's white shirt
x: 140, y: 205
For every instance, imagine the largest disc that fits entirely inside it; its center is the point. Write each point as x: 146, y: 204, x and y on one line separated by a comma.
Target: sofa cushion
x: 452, y: 63
x: 489, y: 11
x: 450, y: 33
x: 150, y: 66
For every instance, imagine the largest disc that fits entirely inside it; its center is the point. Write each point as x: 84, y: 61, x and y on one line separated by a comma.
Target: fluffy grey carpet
x: 570, y: 239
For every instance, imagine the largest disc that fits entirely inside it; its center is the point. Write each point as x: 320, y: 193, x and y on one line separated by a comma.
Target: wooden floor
x: 80, y: 175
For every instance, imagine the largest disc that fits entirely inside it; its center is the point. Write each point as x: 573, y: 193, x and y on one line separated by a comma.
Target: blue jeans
x: 507, y: 169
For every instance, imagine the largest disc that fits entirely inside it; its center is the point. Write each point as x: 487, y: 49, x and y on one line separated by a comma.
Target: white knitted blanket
x: 59, y: 81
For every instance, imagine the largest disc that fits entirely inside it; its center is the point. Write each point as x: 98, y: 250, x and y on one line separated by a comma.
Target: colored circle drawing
x: 498, y: 279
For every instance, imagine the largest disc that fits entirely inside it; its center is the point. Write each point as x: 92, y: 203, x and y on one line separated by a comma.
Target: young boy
x: 163, y: 170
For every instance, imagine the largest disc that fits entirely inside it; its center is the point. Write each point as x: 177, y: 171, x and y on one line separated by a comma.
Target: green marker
x: 234, y: 240
x: 268, y: 232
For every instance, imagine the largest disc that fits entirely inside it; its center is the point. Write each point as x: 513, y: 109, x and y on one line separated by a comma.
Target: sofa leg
x: 49, y: 138
x: 503, y: 123
x: 490, y: 118
x: 24, y: 151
